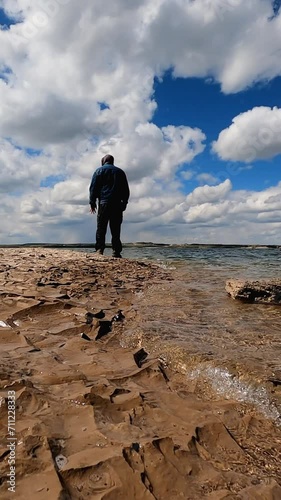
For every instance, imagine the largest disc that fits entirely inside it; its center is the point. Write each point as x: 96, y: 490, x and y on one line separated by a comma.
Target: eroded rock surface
x: 97, y: 421
x: 262, y: 292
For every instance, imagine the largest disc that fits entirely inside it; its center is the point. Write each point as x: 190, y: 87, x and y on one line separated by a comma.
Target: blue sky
x: 5, y: 20
x: 199, y: 103
x: 185, y: 95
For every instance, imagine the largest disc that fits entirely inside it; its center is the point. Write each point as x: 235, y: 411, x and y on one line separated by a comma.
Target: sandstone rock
x: 263, y: 292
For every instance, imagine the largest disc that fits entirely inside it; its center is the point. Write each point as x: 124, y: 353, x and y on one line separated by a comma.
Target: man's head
x: 107, y: 159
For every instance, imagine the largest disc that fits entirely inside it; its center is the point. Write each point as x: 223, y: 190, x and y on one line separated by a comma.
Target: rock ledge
x: 262, y: 292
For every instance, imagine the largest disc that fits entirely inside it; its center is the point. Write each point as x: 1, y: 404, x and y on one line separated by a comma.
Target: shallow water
x: 226, y: 348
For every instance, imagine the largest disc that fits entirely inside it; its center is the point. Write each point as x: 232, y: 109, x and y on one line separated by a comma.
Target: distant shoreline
x: 140, y: 245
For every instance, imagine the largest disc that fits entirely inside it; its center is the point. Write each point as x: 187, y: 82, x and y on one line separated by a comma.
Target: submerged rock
x: 262, y: 292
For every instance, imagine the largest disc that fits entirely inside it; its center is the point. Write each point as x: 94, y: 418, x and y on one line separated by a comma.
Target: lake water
x: 224, y: 347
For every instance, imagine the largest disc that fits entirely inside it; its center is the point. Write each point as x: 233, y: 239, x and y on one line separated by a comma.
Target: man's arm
x: 94, y: 192
x: 125, y: 192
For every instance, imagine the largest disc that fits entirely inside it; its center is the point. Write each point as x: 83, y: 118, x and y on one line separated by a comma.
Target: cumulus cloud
x: 187, y: 174
x: 206, y: 178
x: 21, y: 170
x: 254, y: 135
x: 77, y: 81
x: 218, y: 214
x: 207, y: 193
x: 61, y: 68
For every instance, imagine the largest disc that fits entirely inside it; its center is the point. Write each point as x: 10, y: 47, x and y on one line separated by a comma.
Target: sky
x: 186, y: 94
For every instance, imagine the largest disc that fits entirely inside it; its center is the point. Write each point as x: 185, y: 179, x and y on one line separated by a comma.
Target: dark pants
x: 113, y: 215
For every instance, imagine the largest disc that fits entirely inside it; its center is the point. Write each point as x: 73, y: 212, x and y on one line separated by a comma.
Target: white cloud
x: 21, y: 171
x: 187, y: 175
x: 207, y: 193
x: 79, y: 80
x: 206, y: 178
x: 254, y: 135
x: 62, y: 67
x: 206, y: 212
x: 218, y: 214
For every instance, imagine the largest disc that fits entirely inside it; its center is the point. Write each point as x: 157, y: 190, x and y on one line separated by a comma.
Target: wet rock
x: 119, y: 316
x: 99, y: 315
x: 28, y: 342
x: 4, y: 325
x: 61, y: 461
x: 263, y: 292
x: 275, y: 379
x: 118, y: 392
x: 90, y: 316
x: 136, y: 447
x: 64, y: 297
x: 139, y: 357
x: 104, y: 329
x: 270, y: 491
x: 84, y: 336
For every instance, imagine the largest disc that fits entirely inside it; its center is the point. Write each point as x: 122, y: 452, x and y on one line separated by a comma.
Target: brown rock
x: 262, y: 292
x: 99, y: 421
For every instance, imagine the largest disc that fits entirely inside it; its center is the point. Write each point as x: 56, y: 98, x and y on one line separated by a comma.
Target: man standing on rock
x: 110, y: 187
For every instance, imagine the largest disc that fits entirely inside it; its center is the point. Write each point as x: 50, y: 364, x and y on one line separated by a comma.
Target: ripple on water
x: 191, y: 321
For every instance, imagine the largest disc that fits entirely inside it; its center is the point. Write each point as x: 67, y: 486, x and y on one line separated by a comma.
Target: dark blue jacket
x: 109, y: 185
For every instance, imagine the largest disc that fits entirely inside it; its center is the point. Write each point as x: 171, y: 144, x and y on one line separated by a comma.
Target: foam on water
x: 230, y: 386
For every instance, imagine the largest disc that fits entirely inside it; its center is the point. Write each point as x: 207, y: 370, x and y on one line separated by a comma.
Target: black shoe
x: 99, y: 251
x: 117, y: 255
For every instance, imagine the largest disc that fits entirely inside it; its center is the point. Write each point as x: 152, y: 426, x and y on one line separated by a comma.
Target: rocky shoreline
x: 261, y: 292
x: 95, y: 420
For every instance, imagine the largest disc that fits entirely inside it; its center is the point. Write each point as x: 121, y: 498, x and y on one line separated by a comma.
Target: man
x: 110, y: 187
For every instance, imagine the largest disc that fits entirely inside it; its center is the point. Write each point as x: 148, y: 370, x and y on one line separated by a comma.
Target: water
x: 225, y: 348
x: 259, y: 262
